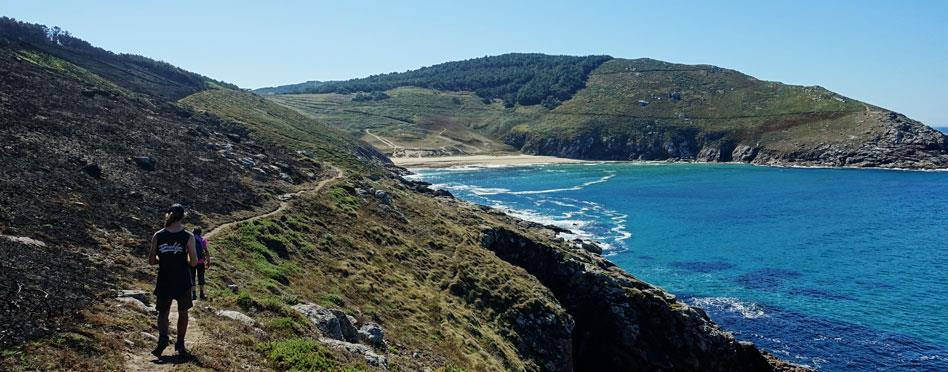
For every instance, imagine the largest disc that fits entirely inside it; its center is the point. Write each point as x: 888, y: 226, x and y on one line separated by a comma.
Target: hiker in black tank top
x: 172, y: 249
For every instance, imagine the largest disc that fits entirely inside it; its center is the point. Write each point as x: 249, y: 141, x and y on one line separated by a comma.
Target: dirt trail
x: 195, y: 339
x: 383, y: 140
x: 285, y: 200
x: 139, y: 360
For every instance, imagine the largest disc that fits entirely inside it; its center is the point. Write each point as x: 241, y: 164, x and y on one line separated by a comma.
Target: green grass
x: 707, y: 99
x: 414, y: 118
x: 68, y: 69
x: 282, y: 126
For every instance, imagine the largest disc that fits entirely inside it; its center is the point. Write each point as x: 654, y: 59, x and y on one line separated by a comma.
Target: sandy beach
x: 453, y: 161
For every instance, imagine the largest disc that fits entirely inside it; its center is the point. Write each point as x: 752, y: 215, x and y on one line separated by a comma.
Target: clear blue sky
x: 890, y: 53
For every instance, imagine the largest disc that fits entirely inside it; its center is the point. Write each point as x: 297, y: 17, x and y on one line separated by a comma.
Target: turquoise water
x: 833, y: 268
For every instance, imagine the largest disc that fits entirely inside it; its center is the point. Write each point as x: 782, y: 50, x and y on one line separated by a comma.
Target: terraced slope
x: 644, y: 109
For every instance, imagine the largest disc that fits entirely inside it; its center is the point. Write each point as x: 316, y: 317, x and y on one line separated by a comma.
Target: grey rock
x: 383, y: 197
x: 138, y: 294
x: 370, y: 356
x: 373, y: 334
x: 591, y: 247
x: 333, y: 323
x: 238, y: 316
x: 134, y: 304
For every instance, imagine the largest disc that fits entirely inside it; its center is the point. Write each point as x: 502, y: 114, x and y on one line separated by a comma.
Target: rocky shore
x: 620, y: 322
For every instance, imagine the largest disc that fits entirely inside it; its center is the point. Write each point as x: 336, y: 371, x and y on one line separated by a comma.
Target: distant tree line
x: 374, y: 96
x: 527, y: 79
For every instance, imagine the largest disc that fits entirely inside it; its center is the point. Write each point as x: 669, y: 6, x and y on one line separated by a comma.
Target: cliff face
x: 896, y: 142
x: 622, y: 323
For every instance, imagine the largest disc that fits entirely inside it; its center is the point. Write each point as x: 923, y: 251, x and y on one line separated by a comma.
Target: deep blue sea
x: 838, y: 269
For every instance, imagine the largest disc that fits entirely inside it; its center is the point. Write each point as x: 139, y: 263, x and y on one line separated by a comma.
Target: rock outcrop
x: 894, y: 141
x: 622, y: 323
x: 339, y: 332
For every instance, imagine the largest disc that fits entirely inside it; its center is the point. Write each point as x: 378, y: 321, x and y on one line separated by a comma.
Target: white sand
x: 452, y: 161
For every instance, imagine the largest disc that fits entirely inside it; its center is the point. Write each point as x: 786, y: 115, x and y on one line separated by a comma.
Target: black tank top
x: 174, y: 273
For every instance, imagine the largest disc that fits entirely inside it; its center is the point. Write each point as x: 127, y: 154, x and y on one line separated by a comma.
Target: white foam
x: 748, y: 310
x: 572, y: 188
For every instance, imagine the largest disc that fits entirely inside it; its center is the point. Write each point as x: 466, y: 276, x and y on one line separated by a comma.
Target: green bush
x: 300, y: 354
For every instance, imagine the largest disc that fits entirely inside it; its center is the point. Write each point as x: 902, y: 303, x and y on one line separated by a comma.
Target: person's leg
x: 163, y: 305
x: 193, y: 293
x: 184, y: 304
x: 200, y: 271
x: 182, y: 325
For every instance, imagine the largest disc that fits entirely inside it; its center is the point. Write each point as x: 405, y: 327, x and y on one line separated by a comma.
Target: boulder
x: 144, y: 162
x: 333, y: 323
x: 134, y: 304
x: 591, y: 247
x: 366, y: 352
x: 383, y: 197
x: 372, y: 334
x: 137, y: 294
x: 443, y: 193
x: 93, y: 170
x: 238, y: 316
x: 744, y: 153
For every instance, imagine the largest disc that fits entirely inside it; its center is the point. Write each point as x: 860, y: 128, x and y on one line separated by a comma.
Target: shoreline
x: 487, y: 160
x: 525, y: 159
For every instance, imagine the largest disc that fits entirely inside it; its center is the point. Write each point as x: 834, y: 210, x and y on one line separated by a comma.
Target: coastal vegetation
x: 633, y: 109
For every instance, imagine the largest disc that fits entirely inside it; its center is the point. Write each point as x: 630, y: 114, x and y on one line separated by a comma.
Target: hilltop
x: 603, y: 108
x: 331, y: 259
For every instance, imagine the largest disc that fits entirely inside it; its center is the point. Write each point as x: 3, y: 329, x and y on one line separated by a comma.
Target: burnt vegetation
x: 134, y: 72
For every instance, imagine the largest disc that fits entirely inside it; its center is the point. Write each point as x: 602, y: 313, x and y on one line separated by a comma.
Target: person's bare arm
x: 153, y: 252
x: 192, y: 253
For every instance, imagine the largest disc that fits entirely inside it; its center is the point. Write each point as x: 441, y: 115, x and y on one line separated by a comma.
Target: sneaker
x: 160, y: 348
x: 194, y: 296
x: 203, y: 297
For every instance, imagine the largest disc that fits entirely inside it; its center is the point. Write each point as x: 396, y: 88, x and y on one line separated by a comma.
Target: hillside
x: 310, y: 228
x: 634, y: 109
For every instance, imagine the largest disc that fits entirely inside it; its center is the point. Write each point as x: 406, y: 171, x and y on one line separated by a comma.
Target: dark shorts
x: 197, y: 274
x: 184, y: 302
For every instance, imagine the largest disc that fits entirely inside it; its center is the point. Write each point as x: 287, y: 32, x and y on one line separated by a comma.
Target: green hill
x: 96, y: 145
x: 628, y: 109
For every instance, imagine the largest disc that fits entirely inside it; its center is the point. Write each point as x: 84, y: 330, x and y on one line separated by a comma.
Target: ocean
x: 838, y: 269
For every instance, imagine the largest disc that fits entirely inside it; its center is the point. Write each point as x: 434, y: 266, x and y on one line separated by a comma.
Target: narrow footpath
x: 142, y: 360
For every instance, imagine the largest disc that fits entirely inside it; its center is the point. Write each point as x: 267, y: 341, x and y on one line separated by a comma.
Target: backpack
x: 199, y: 246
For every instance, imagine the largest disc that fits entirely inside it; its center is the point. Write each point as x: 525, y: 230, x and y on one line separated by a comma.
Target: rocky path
x: 138, y: 360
